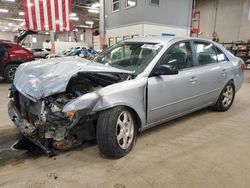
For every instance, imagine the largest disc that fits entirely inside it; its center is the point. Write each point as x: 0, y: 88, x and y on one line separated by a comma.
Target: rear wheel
x: 226, y: 98
x: 10, y: 71
x: 116, y: 132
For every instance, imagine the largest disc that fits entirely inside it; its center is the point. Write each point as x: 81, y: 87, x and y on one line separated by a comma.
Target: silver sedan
x: 132, y: 86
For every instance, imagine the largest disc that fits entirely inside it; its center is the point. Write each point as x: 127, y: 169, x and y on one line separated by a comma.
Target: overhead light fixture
x: 21, y: 13
x: 85, y: 26
x: 74, y: 18
x: 89, y: 22
x: 46, y: 33
x: 10, y: 24
x: 95, y: 5
x: 9, y: 0
x: 3, y: 30
x: 93, y: 11
x: 6, y: 28
x: 18, y: 19
x: 73, y: 14
x: 4, y: 10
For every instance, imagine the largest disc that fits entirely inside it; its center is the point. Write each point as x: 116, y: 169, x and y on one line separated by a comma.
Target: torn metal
x: 55, y: 103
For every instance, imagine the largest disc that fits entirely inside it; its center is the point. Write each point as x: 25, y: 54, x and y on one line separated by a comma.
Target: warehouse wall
x: 170, y: 12
x: 231, y: 22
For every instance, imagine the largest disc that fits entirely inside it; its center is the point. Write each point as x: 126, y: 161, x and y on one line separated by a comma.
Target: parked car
x: 132, y: 86
x: 83, y: 52
x: 11, y: 56
x: 41, y: 53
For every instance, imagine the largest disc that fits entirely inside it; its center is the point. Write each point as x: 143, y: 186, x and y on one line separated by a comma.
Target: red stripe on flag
x: 33, y: 10
x: 49, y: 15
x: 70, y: 11
x: 57, y: 16
x: 41, y: 15
x: 26, y: 16
x: 64, y: 15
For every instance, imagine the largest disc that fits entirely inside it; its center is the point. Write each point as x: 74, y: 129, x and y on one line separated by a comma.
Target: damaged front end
x: 62, y: 121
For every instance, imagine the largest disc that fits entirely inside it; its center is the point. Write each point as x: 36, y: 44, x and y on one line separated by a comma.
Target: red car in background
x: 11, y: 56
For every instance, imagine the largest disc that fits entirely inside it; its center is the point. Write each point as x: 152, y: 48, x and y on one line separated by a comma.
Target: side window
x: 179, y: 56
x: 115, y: 5
x: 206, y: 53
x: 221, y: 56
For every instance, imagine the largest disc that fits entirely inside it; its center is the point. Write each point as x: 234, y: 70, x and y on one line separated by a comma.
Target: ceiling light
x: 95, y: 5
x: 4, y: 10
x: 10, y: 24
x: 18, y: 19
x: 21, y: 13
x: 73, y: 14
x: 84, y: 26
x: 74, y: 18
x: 89, y: 22
x: 6, y: 28
x: 46, y: 33
x: 3, y: 30
x: 93, y: 11
x: 9, y: 0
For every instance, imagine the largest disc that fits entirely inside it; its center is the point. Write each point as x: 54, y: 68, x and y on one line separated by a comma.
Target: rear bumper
x: 26, y: 128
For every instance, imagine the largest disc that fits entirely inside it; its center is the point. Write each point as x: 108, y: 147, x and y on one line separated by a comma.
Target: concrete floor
x: 204, y: 149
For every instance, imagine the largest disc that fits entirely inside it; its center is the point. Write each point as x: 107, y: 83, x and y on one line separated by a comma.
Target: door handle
x: 193, y: 79
x: 224, y: 72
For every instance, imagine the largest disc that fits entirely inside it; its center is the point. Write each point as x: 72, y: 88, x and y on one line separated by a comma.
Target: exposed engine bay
x: 48, y: 126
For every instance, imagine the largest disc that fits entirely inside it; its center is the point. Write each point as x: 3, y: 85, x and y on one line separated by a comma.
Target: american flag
x: 48, y: 15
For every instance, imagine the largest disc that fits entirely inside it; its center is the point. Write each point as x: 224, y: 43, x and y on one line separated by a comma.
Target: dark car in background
x: 11, y: 56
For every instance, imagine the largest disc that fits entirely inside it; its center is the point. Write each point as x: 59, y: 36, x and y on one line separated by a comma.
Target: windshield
x: 132, y: 56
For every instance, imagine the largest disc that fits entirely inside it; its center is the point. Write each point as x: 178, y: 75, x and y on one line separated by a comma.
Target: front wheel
x: 226, y: 98
x: 116, y: 132
x: 9, y: 72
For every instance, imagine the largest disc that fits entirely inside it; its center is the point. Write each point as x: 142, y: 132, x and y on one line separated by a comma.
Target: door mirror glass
x: 165, y: 70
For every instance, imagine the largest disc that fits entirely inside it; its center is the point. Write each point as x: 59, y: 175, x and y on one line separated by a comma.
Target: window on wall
x: 115, y: 5
x: 130, y: 3
x: 155, y: 2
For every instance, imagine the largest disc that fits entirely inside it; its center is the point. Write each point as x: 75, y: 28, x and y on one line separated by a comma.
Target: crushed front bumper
x: 26, y: 128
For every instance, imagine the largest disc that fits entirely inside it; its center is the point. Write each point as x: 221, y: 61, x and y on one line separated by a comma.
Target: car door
x: 211, y: 72
x: 170, y: 96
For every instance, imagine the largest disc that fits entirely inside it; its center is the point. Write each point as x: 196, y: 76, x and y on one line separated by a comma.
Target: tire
x: 112, y: 123
x: 9, y: 72
x: 226, y: 98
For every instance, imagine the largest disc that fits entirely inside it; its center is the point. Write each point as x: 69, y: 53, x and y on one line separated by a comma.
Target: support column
x: 102, y: 24
x: 52, y: 40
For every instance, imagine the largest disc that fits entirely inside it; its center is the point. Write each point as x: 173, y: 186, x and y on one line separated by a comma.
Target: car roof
x: 7, y: 41
x: 163, y: 39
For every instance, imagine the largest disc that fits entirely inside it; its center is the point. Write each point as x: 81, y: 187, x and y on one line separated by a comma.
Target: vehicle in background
x: 11, y: 56
x: 84, y: 52
x: 41, y: 53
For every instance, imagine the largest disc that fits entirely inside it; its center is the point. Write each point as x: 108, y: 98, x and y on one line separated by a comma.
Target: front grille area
x: 29, y: 110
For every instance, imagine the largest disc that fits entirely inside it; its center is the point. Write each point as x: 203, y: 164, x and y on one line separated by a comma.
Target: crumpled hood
x: 43, y: 78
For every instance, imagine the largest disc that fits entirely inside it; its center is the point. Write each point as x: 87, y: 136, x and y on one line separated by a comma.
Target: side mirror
x: 165, y: 70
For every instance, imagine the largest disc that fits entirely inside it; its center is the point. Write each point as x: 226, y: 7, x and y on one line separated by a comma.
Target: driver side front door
x: 170, y: 96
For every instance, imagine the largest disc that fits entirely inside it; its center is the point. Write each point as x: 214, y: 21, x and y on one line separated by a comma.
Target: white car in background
x: 41, y: 53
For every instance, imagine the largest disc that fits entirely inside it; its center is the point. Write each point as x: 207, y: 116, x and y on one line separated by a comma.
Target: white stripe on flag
x: 38, y: 19
x: 60, y: 12
x: 30, y: 14
x: 45, y: 12
x: 67, y: 14
x: 53, y: 15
